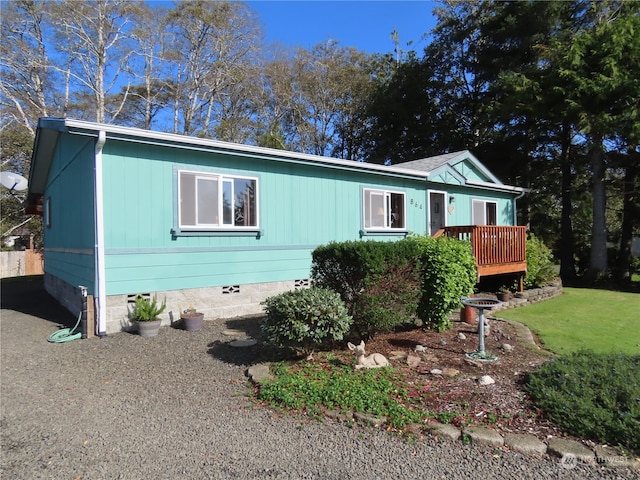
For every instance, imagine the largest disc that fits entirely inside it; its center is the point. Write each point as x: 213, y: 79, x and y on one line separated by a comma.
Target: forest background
x: 546, y: 94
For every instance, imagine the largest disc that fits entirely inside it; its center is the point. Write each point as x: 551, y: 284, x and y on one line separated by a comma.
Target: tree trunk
x: 623, y: 270
x: 567, y: 260
x: 598, y: 257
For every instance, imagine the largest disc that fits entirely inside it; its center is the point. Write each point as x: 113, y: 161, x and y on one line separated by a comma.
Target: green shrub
x: 539, y: 263
x: 448, y: 271
x: 378, y: 281
x: 305, y: 319
x: 596, y: 396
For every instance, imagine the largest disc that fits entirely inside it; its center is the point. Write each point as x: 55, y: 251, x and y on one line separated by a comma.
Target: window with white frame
x: 211, y: 201
x: 485, y: 212
x: 383, y: 210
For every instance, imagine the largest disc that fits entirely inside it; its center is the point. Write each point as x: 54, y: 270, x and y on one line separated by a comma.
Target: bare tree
x: 213, y: 43
x: 26, y: 79
x: 93, y: 39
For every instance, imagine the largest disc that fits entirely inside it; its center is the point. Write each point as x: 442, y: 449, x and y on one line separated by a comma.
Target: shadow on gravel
x: 261, y: 352
x: 27, y: 295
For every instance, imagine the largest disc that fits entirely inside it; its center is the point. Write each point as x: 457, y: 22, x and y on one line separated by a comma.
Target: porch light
x: 452, y: 199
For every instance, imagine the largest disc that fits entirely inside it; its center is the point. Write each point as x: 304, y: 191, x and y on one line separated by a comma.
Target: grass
x: 599, y: 320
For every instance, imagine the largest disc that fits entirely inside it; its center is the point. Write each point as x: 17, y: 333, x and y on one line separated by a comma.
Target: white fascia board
x: 150, y: 136
x: 500, y: 187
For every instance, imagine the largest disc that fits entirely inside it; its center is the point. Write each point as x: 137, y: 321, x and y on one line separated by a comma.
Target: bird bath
x: 481, y: 304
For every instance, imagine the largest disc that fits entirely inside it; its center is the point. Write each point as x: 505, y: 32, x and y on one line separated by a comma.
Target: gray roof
x: 431, y: 163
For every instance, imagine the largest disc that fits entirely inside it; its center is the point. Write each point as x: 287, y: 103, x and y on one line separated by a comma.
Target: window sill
x: 374, y: 233
x: 257, y: 233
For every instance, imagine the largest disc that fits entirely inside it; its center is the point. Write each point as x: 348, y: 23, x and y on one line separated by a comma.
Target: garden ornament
x: 375, y: 360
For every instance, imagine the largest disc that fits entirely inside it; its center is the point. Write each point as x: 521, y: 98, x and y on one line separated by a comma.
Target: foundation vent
x: 302, y: 283
x: 230, y: 289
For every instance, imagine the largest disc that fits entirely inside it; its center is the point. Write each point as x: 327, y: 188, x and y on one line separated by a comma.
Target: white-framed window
x: 208, y: 201
x: 384, y: 210
x: 484, y: 212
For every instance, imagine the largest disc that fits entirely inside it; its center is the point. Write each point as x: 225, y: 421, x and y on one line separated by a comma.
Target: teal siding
x: 300, y: 207
x: 70, y: 191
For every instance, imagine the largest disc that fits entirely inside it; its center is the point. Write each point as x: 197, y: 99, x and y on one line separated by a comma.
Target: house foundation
x: 227, y: 301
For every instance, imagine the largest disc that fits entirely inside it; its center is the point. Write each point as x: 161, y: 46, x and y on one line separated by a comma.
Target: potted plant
x: 192, y: 319
x: 145, y: 313
x: 469, y: 314
x: 504, y: 293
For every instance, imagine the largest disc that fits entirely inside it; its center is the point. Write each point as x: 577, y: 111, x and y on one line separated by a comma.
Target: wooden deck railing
x: 497, y: 249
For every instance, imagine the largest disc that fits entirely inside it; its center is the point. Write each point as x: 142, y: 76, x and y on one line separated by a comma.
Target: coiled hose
x: 66, y: 334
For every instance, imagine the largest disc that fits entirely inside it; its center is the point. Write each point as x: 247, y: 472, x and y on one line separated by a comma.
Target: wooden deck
x: 497, y: 249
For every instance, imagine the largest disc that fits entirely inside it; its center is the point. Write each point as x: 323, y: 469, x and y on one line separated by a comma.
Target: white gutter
x: 100, y: 283
x: 515, y: 206
x: 494, y: 186
x: 149, y: 136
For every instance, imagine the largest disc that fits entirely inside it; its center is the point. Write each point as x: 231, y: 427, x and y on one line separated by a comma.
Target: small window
x: 384, y: 210
x: 485, y: 213
x: 209, y: 201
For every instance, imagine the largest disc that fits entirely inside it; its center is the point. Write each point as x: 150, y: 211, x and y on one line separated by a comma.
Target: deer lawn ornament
x: 375, y: 360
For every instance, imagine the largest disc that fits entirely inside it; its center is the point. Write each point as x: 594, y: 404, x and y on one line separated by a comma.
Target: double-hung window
x: 484, y: 212
x: 383, y: 210
x: 207, y: 201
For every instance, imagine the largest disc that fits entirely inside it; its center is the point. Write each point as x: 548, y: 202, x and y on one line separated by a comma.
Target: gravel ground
x: 176, y: 406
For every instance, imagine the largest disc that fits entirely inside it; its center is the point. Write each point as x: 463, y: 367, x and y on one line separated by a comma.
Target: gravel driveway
x: 175, y: 407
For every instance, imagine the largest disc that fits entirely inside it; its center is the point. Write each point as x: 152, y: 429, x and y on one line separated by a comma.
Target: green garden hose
x: 66, y: 334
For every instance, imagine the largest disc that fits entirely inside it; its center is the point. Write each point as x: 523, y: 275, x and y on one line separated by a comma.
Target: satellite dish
x: 13, y: 181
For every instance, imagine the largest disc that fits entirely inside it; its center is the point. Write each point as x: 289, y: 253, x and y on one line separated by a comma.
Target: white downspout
x: 100, y: 283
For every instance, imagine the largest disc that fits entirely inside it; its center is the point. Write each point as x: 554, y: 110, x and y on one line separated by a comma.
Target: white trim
x: 220, y: 180
x: 234, y: 147
x: 386, y: 198
x: 444, y: 214
x: 493, y: 186
x: 484, y: 210
x: 100, y: 281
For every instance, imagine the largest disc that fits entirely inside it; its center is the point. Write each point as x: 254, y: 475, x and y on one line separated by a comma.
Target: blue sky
x: 365, y: 24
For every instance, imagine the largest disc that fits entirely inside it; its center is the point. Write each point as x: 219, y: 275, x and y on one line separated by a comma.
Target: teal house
x: 222, y: 226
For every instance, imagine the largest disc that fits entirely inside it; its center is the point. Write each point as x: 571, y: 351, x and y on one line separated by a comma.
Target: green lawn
x: 598, y: 320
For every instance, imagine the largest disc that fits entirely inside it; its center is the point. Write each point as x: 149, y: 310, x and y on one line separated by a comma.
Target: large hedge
x: 448, y: 270
x: 378, y: 281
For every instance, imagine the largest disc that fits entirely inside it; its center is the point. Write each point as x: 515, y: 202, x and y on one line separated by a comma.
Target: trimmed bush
x: 378, y: 281
x: 539, y: 263
x: 305, y: 319
x: 448, y: 273
x: 596, y: 396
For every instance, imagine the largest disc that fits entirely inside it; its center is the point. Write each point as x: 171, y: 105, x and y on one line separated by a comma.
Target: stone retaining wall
x: 533, y: 295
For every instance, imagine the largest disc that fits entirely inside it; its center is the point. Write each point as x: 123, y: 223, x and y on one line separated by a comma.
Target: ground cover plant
x: 595, y: 396
x: 596, y: 320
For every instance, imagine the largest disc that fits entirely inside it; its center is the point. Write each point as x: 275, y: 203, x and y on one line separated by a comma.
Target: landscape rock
x: 462, y: 336
x: 450, y: 372
x: 507, y: 348
x: 444, y: 430
x: 484, y: 436
x: 436, y: 371
x: 420, y: 349
x: 564, y: 448
x: 370, y: 419
x: 259, y: 373
x: 523, y: 443
x: 413, y: 361
x: 486, y: 380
